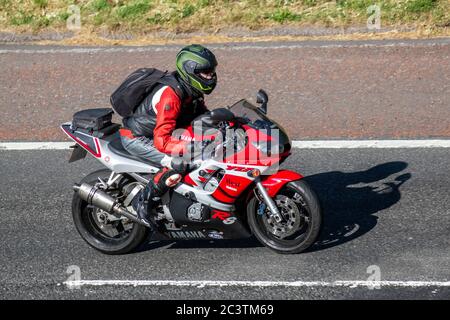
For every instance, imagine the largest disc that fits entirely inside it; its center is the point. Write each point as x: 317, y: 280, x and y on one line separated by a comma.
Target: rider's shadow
x: 350, y: 200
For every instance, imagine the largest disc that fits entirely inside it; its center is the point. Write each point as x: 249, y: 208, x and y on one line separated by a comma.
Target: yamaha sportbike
x: 233, y: 190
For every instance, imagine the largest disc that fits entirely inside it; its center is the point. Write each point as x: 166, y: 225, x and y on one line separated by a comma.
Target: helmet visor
x: 206, y: 74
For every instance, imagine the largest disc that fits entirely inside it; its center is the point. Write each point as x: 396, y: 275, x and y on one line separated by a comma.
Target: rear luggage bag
x: 92, y: 119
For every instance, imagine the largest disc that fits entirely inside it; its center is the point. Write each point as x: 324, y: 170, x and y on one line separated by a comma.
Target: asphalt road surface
x: 386, y: 208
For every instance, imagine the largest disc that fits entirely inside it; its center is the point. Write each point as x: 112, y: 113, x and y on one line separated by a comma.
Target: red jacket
x: 160, y: 114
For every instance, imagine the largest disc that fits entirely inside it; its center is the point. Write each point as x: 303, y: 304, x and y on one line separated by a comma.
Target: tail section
x: 86, y: 141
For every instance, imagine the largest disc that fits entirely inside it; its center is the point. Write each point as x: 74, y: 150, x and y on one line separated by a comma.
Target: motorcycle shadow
x: 350, y: 200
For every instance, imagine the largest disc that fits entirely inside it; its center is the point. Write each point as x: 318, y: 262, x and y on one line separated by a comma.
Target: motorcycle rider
x: 147, y: 133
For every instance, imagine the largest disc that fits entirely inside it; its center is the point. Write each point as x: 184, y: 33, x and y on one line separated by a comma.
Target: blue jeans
x: 144, y: 148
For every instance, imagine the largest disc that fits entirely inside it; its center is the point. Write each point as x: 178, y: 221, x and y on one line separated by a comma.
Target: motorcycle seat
x: 116, y: 147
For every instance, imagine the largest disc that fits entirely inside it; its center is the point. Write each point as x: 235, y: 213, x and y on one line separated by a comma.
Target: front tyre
x: 102, y: 231
x: 302, y: 215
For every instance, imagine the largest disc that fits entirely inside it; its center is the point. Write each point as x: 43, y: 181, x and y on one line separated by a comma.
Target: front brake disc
x: 292, y: 218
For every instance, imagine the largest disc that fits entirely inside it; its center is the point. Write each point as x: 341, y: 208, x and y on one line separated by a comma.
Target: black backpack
x: 137, y: 86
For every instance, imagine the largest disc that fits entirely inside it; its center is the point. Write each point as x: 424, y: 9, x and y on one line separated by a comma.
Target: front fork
x: 270, y: 186
x: 274, y: 212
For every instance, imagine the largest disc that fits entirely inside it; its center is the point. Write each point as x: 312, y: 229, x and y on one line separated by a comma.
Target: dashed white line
x: 208, y: 283
x: 311, y: 144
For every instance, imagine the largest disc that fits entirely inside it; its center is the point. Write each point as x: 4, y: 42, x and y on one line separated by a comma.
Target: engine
x: 186, y: 210
x: 197, y: 212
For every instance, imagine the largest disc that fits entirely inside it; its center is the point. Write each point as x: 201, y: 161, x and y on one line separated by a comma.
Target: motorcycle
x: 233, y: 191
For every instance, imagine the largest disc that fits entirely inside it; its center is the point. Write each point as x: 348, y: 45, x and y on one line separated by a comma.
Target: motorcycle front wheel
x: 120, y: 236
x: 302, y: 219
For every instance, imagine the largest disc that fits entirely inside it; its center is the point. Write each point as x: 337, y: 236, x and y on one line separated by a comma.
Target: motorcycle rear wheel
x: 89, y: 228
x: 300, y: 206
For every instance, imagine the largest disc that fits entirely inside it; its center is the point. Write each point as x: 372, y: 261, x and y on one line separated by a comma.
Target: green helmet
x: 196, y: 65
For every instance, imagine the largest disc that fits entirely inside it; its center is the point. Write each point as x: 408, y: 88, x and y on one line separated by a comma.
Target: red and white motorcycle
x: 234, y: 191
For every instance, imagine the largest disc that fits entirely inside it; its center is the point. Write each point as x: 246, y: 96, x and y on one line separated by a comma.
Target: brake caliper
x: 262, y: 208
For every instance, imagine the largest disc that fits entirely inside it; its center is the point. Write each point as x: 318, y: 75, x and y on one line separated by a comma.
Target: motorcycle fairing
x: 233, y: 183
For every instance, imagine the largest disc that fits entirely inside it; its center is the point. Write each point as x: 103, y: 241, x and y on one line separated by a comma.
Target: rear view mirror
x: 262, y: 98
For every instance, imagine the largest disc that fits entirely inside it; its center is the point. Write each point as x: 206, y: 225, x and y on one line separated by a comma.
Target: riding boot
x: 142, y: 203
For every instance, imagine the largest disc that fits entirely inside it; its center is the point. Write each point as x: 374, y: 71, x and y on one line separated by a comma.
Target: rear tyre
x: 119, y: 237
x: 300, y: 207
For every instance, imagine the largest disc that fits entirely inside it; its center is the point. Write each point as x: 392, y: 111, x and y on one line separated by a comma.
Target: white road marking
x: 35, y: 145
x: 354, y: 144
x: 207, y: 283
x: 236, y: 46
x: 311, y: 144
